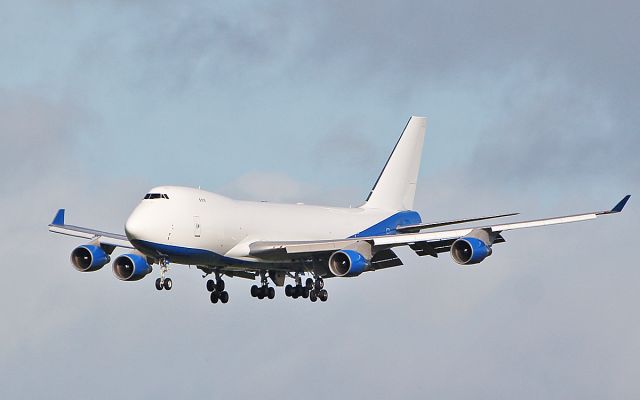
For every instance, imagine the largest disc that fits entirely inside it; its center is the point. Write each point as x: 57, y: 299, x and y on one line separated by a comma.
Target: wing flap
x: 274, y: 249
x: 419, y: 227
x: 385, y: 259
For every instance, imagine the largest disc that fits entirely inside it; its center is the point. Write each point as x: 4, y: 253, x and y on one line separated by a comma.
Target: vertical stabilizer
x: 395, y: 188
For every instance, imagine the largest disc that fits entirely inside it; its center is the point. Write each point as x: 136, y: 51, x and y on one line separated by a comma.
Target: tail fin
x: 395, y: 188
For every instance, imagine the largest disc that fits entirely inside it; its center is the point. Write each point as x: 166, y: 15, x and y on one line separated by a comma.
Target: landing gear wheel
x: 214, y: 297
x: 211, y: 285
x: 220, y: 285
x: 159, y: 284
x: 313, y: 296
x: 309, y: 284
x: 305, y: 293
x: 224, y: 297
x: 323, y: 295
x: 261, y: 293
x: 271, y: 293
x: 168, y: 284
x: 319, y: 284
x: 254, y: 291
x: 288, y: 290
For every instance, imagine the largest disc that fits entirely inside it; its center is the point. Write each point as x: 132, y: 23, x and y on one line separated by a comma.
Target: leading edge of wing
x: 58, y: 226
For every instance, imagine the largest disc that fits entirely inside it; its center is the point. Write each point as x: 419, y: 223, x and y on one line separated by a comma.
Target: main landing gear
x: 162, y: 282
x: 313, y: 290
x: 263, y: 291
x: 217, y: 290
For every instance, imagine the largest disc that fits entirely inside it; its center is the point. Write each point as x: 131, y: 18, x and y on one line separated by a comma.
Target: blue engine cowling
x: 469, y: 250
x: 89, y: 258
x: 347, y: 263
x: 131, y: 267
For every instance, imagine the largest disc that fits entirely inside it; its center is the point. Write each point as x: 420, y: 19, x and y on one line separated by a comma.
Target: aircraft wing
x: 105, y: 238
x: 429, y: 243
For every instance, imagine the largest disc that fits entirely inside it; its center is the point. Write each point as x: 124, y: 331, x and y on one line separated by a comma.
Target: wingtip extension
x: 59, y: 218
x: 620, y: 206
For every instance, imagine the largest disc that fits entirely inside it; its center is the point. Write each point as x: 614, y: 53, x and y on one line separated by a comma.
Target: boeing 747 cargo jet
x: 272, y: 242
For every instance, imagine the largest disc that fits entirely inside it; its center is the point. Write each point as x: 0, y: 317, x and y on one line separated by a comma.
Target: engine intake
x: 347, y: 263
x: 131, y: 267
x: 89, y: 258
x: 469, y: 250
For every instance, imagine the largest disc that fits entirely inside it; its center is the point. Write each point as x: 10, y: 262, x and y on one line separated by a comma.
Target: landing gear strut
x: 264, y: 290
x: 217, y: 290
x: 313, y: 290
x: 162, y: 282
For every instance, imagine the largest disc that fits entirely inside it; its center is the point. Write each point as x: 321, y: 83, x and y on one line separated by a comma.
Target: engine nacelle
x: 469, y: 250
x: 347, y: 263
x: 131, y: 267
x: 89, y: 258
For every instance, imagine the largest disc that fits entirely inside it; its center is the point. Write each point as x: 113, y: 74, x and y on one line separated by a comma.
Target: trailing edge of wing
x: 419, y: 227
x: 113, y: 239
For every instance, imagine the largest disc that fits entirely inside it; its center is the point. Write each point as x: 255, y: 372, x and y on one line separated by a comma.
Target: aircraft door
x: 196, y: 226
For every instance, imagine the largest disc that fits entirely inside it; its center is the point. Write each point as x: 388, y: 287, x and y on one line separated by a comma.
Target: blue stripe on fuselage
x: 388, y: 226
x: 187, y: 255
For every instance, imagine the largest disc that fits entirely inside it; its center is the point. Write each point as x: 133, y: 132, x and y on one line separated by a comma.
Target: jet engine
x: 469, y: 250
x: 347, y: 263
x: 89, y: 258
x: 131, y: 267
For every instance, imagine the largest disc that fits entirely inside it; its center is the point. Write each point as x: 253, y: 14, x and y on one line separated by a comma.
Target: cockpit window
x: 156, y: 196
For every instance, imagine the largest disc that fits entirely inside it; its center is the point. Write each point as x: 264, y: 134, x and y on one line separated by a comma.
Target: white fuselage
x: 189, y: 223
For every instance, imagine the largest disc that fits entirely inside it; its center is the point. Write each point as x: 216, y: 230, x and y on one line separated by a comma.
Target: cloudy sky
x: 532, y: 108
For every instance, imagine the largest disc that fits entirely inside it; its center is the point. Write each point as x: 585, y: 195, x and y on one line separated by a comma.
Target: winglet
x: 59, y: 218
x: 620, y: 204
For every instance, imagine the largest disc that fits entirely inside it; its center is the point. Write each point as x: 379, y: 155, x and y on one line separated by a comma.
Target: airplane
x: 273, y: 241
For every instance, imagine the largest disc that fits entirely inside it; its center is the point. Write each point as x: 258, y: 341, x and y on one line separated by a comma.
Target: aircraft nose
x: 133, y: 226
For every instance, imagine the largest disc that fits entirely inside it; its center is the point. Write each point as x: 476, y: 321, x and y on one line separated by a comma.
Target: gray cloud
x: 265, y: 186
x: 34, y: 129
x: 559, y: 131
x: 347, y: 148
